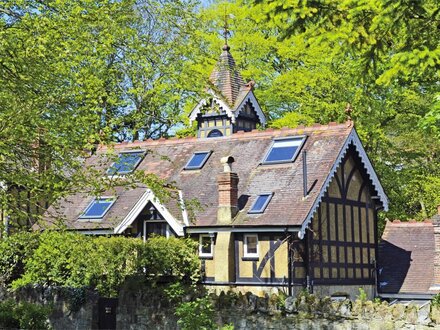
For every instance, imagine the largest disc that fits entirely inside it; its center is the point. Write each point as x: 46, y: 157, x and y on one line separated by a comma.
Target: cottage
x: 284, y: 209
x: 409, y: 263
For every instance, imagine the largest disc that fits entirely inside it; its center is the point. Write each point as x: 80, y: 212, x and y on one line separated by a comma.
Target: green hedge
x: 23, y: 315
x: 67, y: 259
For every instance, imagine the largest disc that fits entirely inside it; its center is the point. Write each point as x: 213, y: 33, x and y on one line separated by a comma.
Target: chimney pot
x: 227, y: 163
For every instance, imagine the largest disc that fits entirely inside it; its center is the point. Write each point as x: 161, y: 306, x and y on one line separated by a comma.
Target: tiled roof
x: 406, y: 257
x: 167, y: 158
x: 226, y: 78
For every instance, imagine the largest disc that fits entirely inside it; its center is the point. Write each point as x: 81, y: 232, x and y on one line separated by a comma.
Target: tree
x: 311, y: 58
x: 77, y: 73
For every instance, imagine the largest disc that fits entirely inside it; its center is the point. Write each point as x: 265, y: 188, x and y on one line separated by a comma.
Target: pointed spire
x: 226, y: 77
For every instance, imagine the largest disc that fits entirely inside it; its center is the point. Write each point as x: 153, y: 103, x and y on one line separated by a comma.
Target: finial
x: 226, y: 32
x: 348, y: 110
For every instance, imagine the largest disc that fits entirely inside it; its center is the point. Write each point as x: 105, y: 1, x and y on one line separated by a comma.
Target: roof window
x: 126, y: 163
x: 284, y: 150
x: 98, y: 208
x: 260, y: 203
x: 197, y: 160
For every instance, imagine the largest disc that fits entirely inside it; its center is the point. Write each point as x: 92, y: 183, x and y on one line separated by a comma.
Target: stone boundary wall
x: 147, y: 308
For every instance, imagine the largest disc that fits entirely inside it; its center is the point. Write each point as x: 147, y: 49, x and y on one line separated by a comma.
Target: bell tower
x: 231, y: 105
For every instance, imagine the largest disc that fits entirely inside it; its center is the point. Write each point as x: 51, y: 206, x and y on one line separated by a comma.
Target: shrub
x: 196, y: 314
x: 435, y: 302
x: 59, y: 260
x: 23, y: 315
x: 15, y: 249
x: 110, y: 261
x: 173, y: 256
x: 72, y: 260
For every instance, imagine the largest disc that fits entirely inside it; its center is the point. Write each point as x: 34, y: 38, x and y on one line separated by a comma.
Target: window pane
x: 125, y: 163
x: 206, y: 245
x: 280, y: 154
x: 283, y: 150
x: 156, y: 228
x: 197, y: 160
x: 98, y: 208
x: 251, y: 242
x: 259, y: 203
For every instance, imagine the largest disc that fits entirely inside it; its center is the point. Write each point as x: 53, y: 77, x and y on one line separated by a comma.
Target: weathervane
x: 226, y: 32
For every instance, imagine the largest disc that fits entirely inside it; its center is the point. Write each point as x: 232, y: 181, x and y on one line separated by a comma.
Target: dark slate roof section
x: 226, y: 78
x: 406, y: 258
x: 325, y: 145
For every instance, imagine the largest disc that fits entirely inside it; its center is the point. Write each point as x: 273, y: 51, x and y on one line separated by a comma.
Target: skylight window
x: 260, y: 203
x: 126, y: 163
x: 197, y: 160
x: 284, y: 150
x: 98, y: 208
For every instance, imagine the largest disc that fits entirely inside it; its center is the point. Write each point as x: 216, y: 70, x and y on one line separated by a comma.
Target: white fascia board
x: 183, y: 207
x: 204, y: 102
x: 148, y: 196
x: 352, y: 138
x: 196, y: 110
x: 251, y: 97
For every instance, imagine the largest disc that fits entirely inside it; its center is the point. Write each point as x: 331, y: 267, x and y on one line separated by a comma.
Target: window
x: 284, y: 150
x: 98, y: 208
x: 251, y: 246
x: 126, y: 163
x: 205, y: 246
x: 215, y: 133
x: 260, y: 203
x: 197, y: 160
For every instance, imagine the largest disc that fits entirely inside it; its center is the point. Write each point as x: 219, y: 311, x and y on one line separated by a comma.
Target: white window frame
x: 263, y: 208
x: 246, y: 254
x: 85, y: 217
x: 202, y: 254
x: 122, y: 173
x: 301, y: 138
x: 208, y: 154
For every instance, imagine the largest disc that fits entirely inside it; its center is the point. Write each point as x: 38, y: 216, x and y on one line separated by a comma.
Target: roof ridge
x: 301, y: 129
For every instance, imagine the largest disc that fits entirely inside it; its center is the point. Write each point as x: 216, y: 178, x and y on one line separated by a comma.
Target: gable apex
x: 352, y: 139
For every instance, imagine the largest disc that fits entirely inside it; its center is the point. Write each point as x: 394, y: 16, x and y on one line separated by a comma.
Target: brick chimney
x: 436, y: 225
x: 227, y: 192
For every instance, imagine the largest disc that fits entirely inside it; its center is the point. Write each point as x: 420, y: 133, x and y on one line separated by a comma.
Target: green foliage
x: 435, y: 301
x: 15, y: 249
x: 77, y: 261
x: 292, y: 120
x: 7, y: 315
x: 310, y: 59
x: 196, y: 314
x: 362, y: 295
x: 75, y: 74
x: 23, y: 315
x: 173, y: 256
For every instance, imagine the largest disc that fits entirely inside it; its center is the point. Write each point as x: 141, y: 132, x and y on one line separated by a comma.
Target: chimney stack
x: 436, y: 225
x: 227, y: 192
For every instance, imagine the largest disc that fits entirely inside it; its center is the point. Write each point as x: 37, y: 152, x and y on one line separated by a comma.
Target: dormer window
x: 98, y: 208
x: 126, y: 163
x: 197, y: 160
x: 260, y: 203
x: 284, y: 150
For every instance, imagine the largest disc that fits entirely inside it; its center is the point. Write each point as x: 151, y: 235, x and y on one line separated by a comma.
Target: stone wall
x: 140, y: 307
